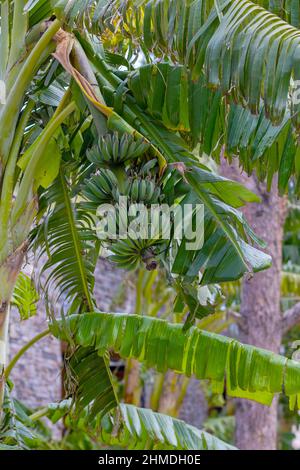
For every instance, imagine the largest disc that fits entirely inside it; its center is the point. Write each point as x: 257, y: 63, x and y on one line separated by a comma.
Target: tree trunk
x: 261, y: 324
x: 9, y: 270
x: 132, y: 385
x: 4, y: 315
x: 256, y: 425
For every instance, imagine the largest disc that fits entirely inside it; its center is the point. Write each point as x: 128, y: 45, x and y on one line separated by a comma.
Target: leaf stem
x: 23, y: 350
x: 38, y: 148
x: 9, y: 114
x: 39, y: 414
x: 8, y: 179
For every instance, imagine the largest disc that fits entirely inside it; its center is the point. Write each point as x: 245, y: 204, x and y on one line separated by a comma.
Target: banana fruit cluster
x: 113, y: 149
x: 101, y: 188
x: 119, y: 173
x: 128, y: 254
x: 143, y: 191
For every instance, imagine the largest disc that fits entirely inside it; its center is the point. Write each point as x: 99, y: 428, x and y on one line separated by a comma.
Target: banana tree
x: 23, y: 54
x: 146, y: 123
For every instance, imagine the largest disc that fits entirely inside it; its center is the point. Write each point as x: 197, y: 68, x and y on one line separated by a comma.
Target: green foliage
x: 227, y: 50
x: 25, y: 296
x: 250, y: 372
x: 221, y: 427
x: 17, y: 431
x: 215, y: 60
x: 93, y: 382
x: 135, y: 428
x: 226, y: 86
x: 143, y: 429
x: 65, y: 235
x: 204, y: 116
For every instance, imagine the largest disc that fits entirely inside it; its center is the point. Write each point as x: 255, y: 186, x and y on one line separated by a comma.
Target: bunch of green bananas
x: 114, y: 149
x: 143, y: 191
x: 101, y: 188
x: 129, y: 254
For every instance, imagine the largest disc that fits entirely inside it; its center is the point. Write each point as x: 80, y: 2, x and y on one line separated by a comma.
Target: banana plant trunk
x: 9, y: 270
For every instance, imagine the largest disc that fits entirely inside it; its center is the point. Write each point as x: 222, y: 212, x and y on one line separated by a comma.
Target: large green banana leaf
x: 202, y: 115
x: 134, y: 428
x: 250, y: 372
x: 140, y: 429
x: 241, y: 45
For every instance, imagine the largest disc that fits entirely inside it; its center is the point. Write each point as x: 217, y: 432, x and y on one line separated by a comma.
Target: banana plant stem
x: 8, y: 117
x: 39, y: 414
x: 38, y: 148
x: 23, y: 350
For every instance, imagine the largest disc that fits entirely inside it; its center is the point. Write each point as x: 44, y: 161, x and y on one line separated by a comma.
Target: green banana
x: 141, y: 190
x: 113, y: 149
x: 129, y: 254
x: 101, y: 187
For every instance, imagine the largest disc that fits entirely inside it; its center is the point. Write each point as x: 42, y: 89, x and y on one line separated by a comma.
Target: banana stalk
x: 19, y: 64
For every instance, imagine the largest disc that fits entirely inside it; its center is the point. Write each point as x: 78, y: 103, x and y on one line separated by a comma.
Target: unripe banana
x: 134, y: 192
x: 109, y: 143
x: 150, y: 191
x: 148, y: 167
x: 104, y: 150
x: 139, y: 148
x: 124, y: 146
x: 111, y: 178
x: 143, y: 188
x: 156, y: 195
x: 104, y: 183
x: 115, y: 148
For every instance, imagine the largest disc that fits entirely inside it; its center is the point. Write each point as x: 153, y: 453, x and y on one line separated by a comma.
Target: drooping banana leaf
x: 140, y: 429
x: 65, y: 235
x: 224, y: 255
x: 205, y: 117
x: 136, y: 428
x: 93, y: 382
x: 249, y: 50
